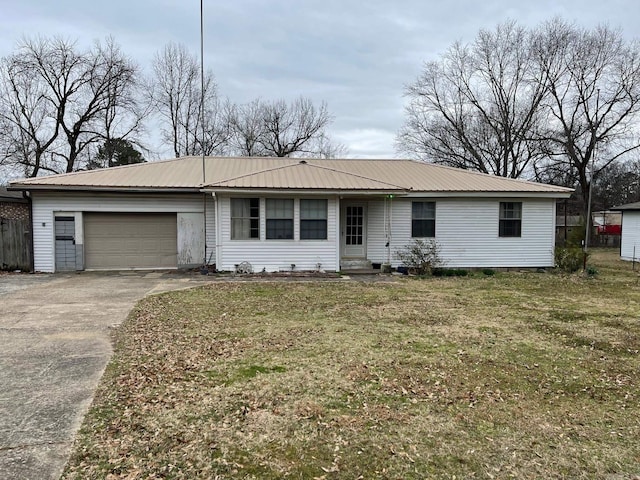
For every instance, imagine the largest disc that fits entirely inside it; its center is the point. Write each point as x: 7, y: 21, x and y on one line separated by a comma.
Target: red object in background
x: 609, y: 229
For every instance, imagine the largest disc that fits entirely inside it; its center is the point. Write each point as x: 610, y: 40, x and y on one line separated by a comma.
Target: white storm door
x: 354, y: 230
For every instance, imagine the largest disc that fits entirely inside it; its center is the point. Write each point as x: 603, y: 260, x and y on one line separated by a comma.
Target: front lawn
x: 527, y: 375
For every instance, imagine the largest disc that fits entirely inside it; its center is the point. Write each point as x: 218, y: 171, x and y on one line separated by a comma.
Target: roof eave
x: 488, y: 193
x: 410, y: 193
x: 90, y: 188
x: 314, y: 191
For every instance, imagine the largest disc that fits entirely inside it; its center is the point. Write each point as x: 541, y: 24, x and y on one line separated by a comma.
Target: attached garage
x: 130, y: 240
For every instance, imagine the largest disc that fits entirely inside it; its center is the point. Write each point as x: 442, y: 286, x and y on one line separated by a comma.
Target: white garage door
x: 130, y: 240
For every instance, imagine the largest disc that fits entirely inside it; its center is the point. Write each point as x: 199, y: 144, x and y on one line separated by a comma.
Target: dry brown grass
x: 522, y: 375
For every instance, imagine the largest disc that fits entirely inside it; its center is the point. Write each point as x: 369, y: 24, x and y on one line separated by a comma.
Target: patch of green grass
x: 515, y: 375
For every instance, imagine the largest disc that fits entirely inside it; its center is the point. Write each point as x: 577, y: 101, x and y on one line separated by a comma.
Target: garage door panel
x: 138, y: 240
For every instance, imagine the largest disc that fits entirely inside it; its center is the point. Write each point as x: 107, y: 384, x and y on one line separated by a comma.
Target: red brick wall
x: 14, y: 211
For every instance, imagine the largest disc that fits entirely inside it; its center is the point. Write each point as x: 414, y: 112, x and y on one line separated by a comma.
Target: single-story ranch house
x: 286, y: 213
x: 630, y: 241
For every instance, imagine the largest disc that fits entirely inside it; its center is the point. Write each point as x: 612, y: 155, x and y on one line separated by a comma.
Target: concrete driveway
x: 55, y: 344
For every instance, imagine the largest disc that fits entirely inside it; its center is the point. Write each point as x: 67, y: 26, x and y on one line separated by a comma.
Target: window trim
x: 431, y: 220
x: 509, y: 222
x: 291, y: 219
x: 250, y: 218
x: 301, y: 219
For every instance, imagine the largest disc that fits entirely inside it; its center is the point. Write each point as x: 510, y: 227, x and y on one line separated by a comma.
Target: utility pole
x: 205, y: 269
x: 587, y: 233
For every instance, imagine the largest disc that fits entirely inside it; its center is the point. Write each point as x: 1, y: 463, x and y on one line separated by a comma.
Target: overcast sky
x: 355, y: 55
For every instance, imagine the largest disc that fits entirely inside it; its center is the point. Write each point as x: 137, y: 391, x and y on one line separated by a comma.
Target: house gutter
x: 84, y: 188
x: 309, y: 191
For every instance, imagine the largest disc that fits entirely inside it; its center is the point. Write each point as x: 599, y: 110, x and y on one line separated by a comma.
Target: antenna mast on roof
x: 204, y: 269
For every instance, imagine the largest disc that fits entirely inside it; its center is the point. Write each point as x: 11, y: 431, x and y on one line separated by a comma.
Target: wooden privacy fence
x: 15, y: 244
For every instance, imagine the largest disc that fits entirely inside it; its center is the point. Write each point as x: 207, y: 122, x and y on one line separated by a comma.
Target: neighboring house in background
x: 630, y: 241
x: 607, y: 222
x: 286, y: 213
x: 607, y: 227
x: 13, y: 205
x: 15, y: 231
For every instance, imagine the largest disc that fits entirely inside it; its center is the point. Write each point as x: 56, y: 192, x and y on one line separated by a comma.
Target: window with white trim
x: 423, y: 219
x: 245, y: 218
x: 279, y: 216
x: 313, y: 219
x: 510, y: 219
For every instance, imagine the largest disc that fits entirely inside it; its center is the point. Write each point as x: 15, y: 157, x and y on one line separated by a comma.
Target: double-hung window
x: 510, y: 219
x: 245, y: 218
x: 423, y: 219
x: 313, y: 219
x: 279, y: 219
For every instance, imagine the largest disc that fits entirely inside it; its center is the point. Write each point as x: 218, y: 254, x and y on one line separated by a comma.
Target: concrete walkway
x: 55, y: 345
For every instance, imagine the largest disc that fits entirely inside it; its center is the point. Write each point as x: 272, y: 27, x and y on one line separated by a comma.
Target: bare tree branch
x: 593, y: 77
x: 176, y: 95
x: 479, y: 106
x: 57, y: 101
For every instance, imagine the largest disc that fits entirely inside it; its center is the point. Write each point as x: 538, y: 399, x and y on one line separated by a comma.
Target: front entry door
x: 354, y: 230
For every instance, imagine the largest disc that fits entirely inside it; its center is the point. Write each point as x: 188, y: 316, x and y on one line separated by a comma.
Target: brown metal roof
x: 287, y: 173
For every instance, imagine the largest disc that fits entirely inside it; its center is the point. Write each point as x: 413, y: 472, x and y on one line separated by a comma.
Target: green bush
x: 488, y: 272
x: 569, y: 259
x: 440, y: 272
x: 592, y: 271
x: 449, y: 272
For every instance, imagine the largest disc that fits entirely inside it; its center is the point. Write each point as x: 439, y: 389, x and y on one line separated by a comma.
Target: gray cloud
x: 357, y: 56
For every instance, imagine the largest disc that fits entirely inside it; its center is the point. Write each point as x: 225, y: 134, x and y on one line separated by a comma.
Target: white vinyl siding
x: 467, y: 230
x: 45, y: 204
x: 630, y: 235
x: 275, y: 255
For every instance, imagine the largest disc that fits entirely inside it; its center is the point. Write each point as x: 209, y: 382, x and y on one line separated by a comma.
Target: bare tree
x: 55, y: 99
x: 29, y: 115
x: 478, y: 107
x: 247, y: 129
x: 593, y: 80
x: 617, y: 184
x: 125, y: 112
x: 324, y: 147
x: 177, y: 95
x: 281, y: 129
x: 290, y: 128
